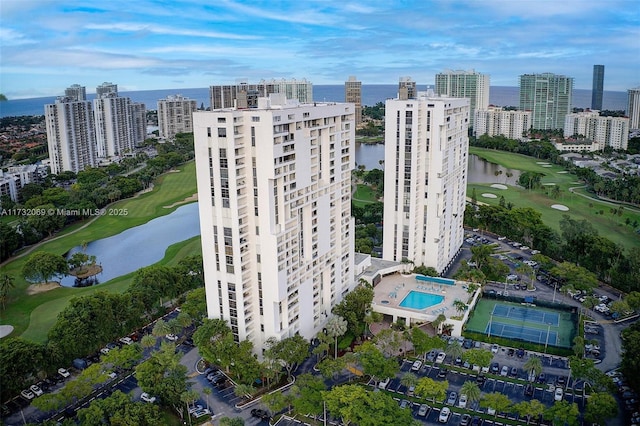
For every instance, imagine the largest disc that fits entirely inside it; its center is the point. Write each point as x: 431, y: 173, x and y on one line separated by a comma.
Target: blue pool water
x: 420, y: 300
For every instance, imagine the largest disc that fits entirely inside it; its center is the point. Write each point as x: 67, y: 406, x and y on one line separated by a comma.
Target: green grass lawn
x: 364, y: 195
x: 42, y: 308
x: 608, y: 225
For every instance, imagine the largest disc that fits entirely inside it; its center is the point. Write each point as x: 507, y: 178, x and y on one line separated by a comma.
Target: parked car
x: 453, y: 396
x: 195, y: 408
x: 171, y: 337
x: 465, y: 420
x: 513, y: 372
x: 480, y: 380
x: 261, y: 414
x: 27, y: 394
x: 423, y: 410
x: 440, y: 358
x: 36, y: 390
x: 63, y: 372
x: 542, y: 378
x: 442, y: 373
x: 462, y: 401
x: 104, y: 350
x: 495, y: 349
x: 411, y: 390
x: 416, y: 365
x: 528, y: 391
x: 495, y: 367
x: 404, y: 404
x: 505, y: 371
x: 126, y: 340
x: 200, y: 413
x: 384, y: 383
x: 147, y: 398
x: 445, y: 413
x: 557, y: 396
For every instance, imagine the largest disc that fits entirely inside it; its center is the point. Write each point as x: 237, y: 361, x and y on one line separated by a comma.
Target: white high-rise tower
x: 465, y: 84
x: 274, y: 190
x: 426, y: 150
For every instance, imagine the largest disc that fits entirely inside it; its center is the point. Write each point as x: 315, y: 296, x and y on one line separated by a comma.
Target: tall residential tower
x: 244, y: 95
x: 548, y: 97
x: 425, y: 181
x: 274, y: 184
x: 633, y: 108
x: 175, y: 115
x: 597, y: 87
x: 353, y: 94
x: 465, y: 84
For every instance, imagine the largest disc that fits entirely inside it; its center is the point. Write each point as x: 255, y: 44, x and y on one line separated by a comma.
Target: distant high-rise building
x: 106, y: 89
x: 597, y: 87
x: 353, y: 94
x: 244, y: 95
x: 606, y: 131
x: 71, y: 135
x: 633, y: 108
x: 495, y: 121
x: 407, y: 88
x: 425, y: 181
x: 175, y: 115
x: 465, y: 84
x: 120, y: 124
x: 76, y: 92
x: 274, y: 185
x: 548, y: 97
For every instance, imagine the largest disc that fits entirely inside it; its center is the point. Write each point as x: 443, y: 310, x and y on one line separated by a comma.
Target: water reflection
x: 140, y: 246
x: 480, y: 170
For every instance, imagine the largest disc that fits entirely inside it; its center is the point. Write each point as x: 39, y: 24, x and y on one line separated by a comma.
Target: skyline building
x: 175, y: 115
x: 274, y: 184
x: 465, y: 84
x: 353, y: 94
x: 633, y: 108
x: 426, y: 153
x: 106, y: 88
x: 494, y: 121
x: 76, y: 92
x: 407, y: 88
x: 597, y: 87
x: 606, y: 131
x: 548, y: 97
x: 71, y: 136
x: 243, y: 95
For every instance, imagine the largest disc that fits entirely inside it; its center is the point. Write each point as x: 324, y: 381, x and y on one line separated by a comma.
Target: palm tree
x: 243, y: 390
x: 6, y: 284
x: 336, y: 326
x: 533, y: 366
x: 207, y: 391
x: 459, y: 305
x: 472, y: 391
x: 148, y: 341
x: 438, y: 322
x: 454, y: 350
x: 161, y: 328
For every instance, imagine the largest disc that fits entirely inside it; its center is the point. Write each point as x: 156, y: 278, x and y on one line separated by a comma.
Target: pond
x: 140, y: 246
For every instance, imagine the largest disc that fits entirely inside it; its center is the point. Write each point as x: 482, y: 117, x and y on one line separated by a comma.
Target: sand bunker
x: 560, y: 207
x: 563, y: 172
x: 499, y: 186
x: 489, y: 195
x: 541, y: 162
x: 549, y: 184
x: 547, y: 165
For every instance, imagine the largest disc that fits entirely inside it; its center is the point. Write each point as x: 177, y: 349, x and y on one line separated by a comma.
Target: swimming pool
x: 420, y: 300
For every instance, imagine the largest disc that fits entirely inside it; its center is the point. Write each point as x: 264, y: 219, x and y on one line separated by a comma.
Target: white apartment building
x: 548, y: 96
x: 274, y: 190
x: 465, y: 84
x: 175, y: 115
x: 494, y: 121
x: 606, y: 131
x: 426, y: 150
x: 121, y: 125
x: 71, y: 135
x: 633, y: 108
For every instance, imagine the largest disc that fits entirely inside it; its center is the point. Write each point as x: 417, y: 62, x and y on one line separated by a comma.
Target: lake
x: 142, y: 245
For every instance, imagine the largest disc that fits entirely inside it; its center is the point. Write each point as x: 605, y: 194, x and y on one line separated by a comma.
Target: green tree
x: 409, y: 379
x: 162, y: 375
x: 6, y: 285
x: 289, y: 352
x: 354, y: 307
x: 563, y: 413
x: 195, y: 304
x: 496, y: 401
x: 307, y: 393
x: 389, y: 341
x: 336, y: 327
x: 472, y: 391
x: 600, y: 407
x: 475, y: 356
x: 119, y: 409
x: 373, y: 361
x: 460, y: 306
x: 277, y: 401
x: 20, y: 361
x: 429, y: 388
x: 530, y: 409
x: 42, y: 266
x: 123, y: 358
x: 231, y: 421
x: 533, y: 367
x: 423, y: 343
x: 148, y: 341
x: 215, y: 342
x: 454, y: 350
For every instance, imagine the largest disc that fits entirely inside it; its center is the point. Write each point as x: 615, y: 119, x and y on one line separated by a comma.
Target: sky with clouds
x: 47, y: 45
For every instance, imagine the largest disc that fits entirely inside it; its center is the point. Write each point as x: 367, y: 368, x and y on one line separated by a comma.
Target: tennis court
x: 526, y: 314
x: 524, y: 322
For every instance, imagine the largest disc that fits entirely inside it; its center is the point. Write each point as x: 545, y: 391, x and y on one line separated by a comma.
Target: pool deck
x: 392, y: 289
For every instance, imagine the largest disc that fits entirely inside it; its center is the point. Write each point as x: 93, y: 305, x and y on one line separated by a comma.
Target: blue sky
x: 47, y: 45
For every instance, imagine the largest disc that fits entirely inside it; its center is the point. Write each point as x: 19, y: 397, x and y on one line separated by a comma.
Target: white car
x: 505, y: 371
x: 494, y: 349
x: 384, y: 383
x: 126, y: 340
x: 524, y: 248
x: 195, y: 408
x: 462, y: 401
x: 531, y: 263
x: 147, y: 398
x: 416, y: 365
x: 200, y: 413
x: 63, y: 372
x: 558, y: 394
x: 513, y: 277
x: 27, y: 394
x: 445, y: 413
x: 440, y: 358
x: 36, y: 390
x: 104, y: 350
x: 171, y: 337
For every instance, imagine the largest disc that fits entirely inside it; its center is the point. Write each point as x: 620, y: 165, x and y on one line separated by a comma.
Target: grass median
x: 170, y: 191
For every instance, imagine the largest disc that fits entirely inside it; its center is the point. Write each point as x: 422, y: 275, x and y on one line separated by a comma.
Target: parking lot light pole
x: 555, y: 285
x: 490, y: 323
x: 547, y: 341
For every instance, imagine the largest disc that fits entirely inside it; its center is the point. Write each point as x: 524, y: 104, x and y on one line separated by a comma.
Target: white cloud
x: 135, y: 27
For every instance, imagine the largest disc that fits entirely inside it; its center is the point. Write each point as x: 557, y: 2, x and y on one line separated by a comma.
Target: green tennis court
x: 523, y: 322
